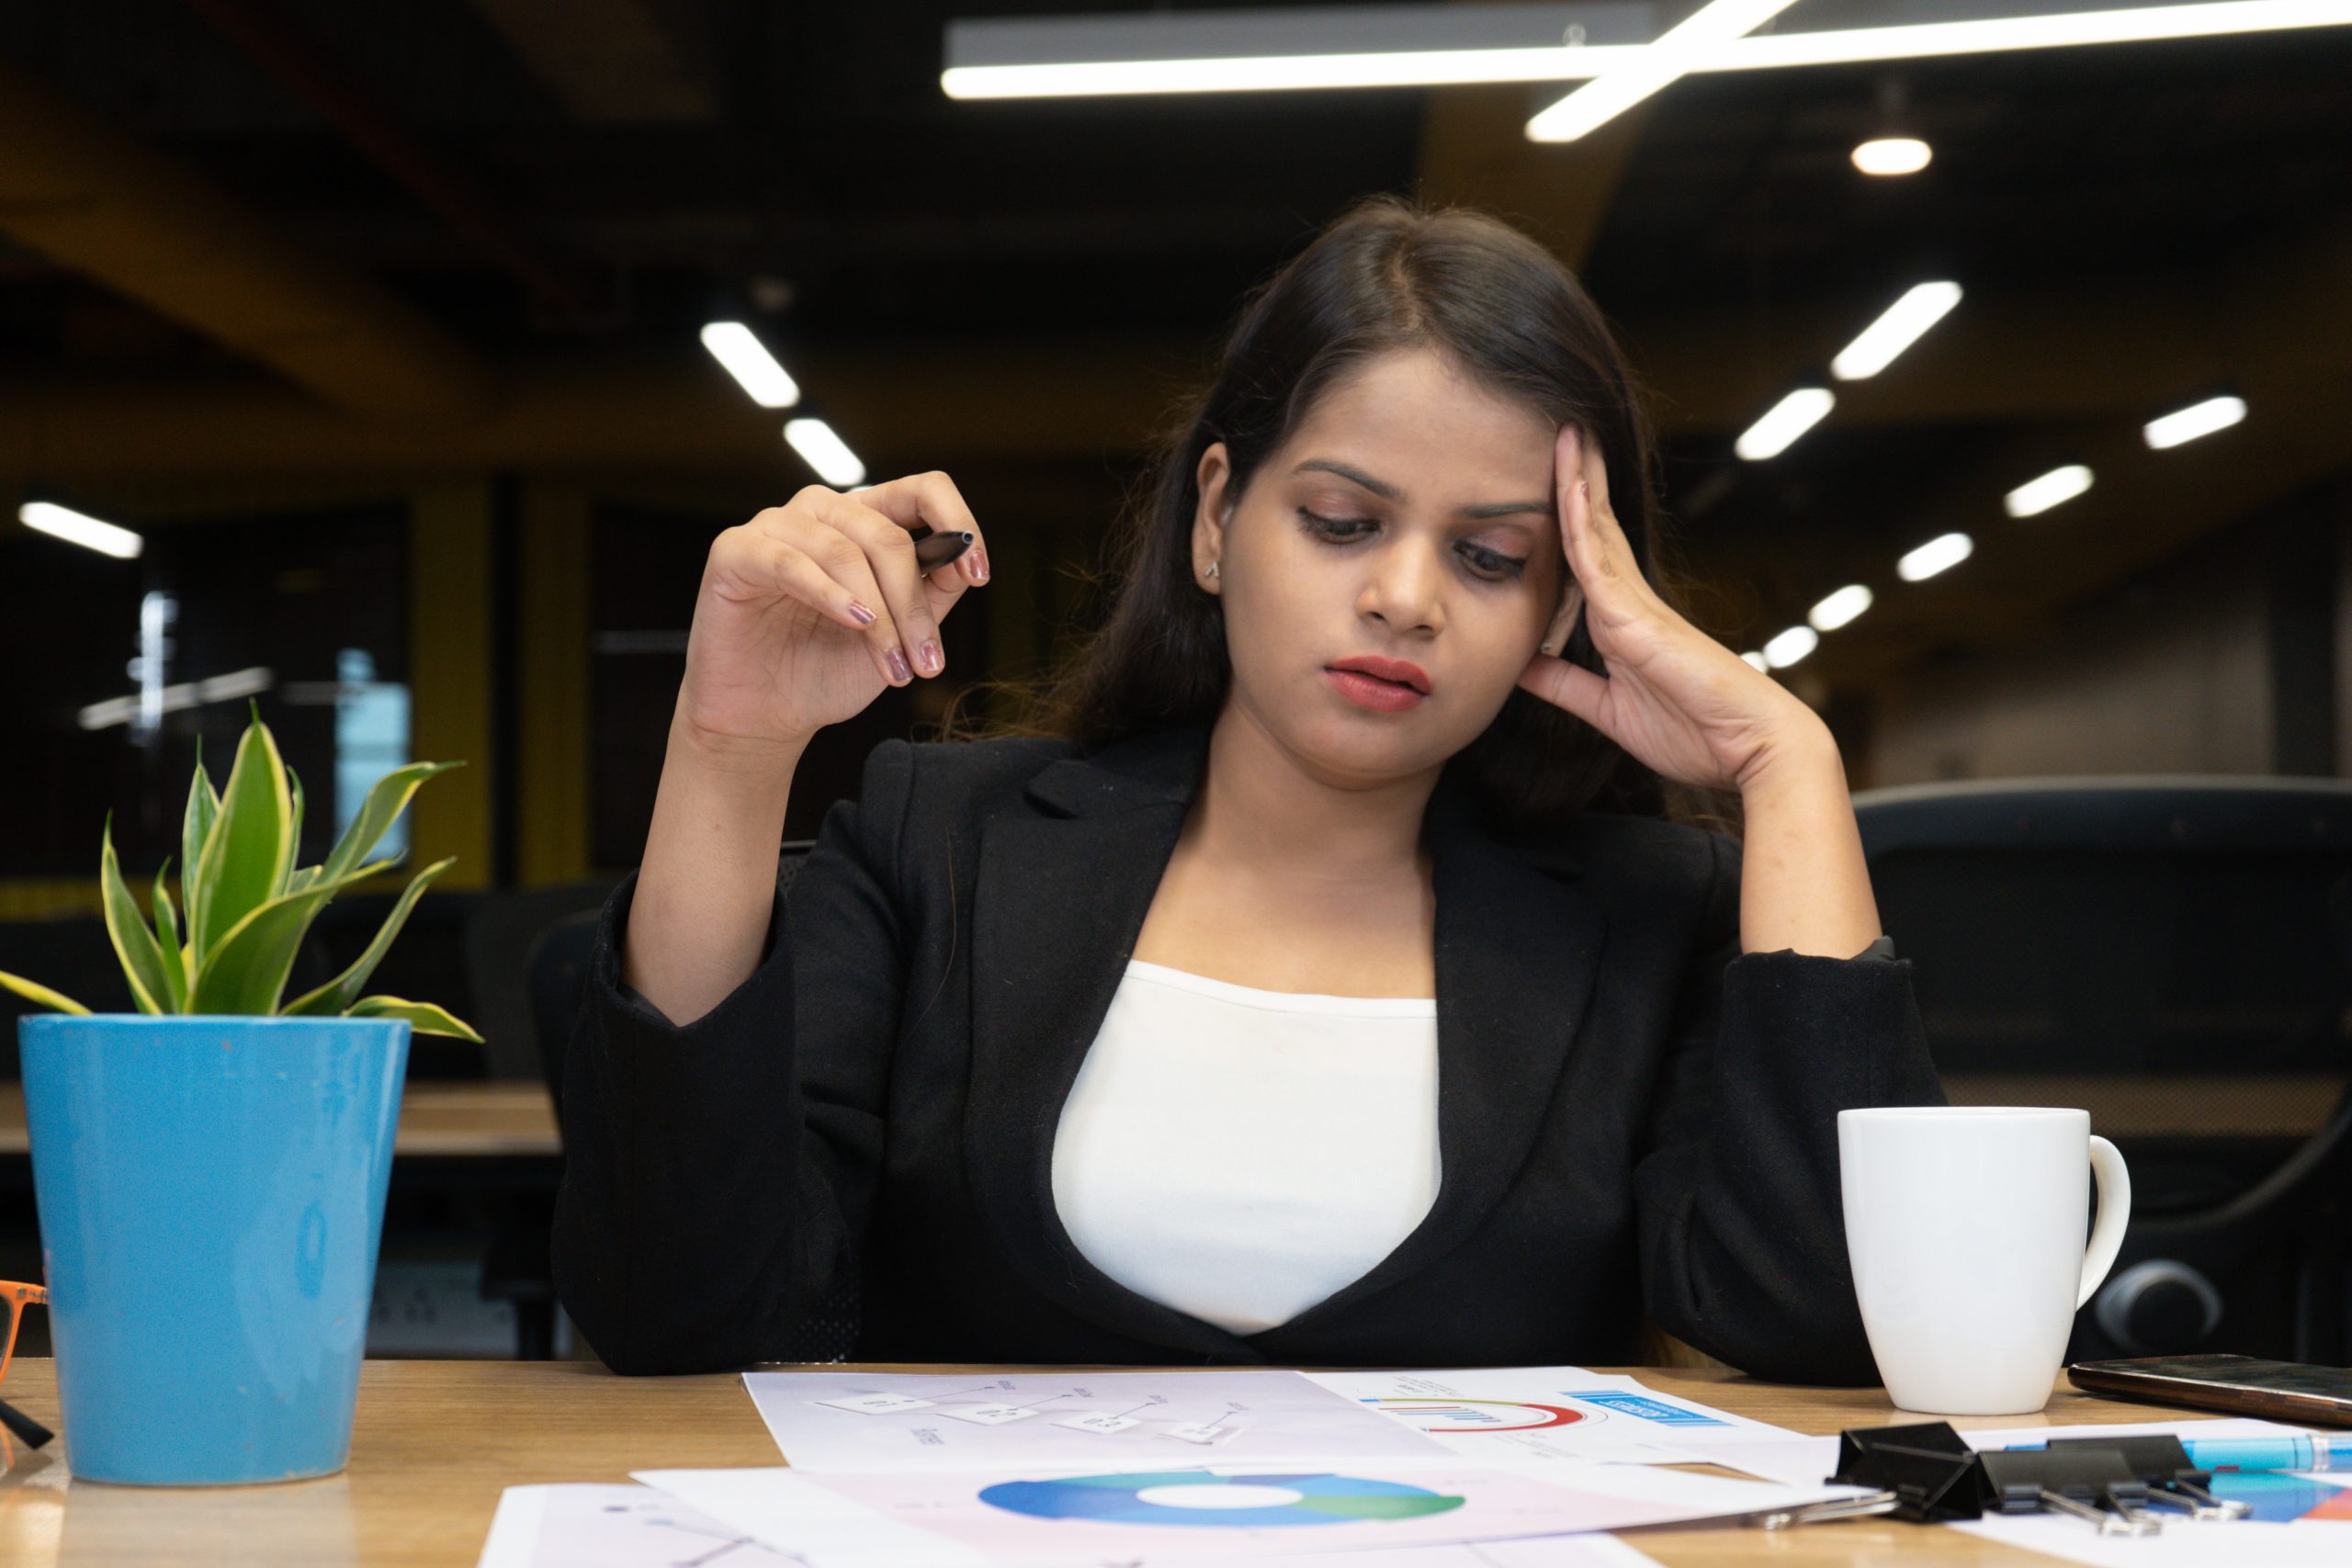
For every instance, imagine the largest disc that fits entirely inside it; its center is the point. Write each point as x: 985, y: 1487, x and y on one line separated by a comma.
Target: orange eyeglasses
x: 16, y: 1297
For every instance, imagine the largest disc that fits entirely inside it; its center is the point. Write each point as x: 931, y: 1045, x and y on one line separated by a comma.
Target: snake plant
x: 248, y: 903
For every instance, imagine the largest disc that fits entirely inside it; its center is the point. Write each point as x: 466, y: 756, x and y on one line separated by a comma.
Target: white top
x: 1240, y: 1154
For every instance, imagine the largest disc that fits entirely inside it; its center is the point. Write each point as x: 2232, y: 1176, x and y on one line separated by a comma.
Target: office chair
x: 2173, y: 955
x: 559, y: 968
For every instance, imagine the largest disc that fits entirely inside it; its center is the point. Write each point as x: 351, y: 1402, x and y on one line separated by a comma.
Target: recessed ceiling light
x: 1902, y: 325
x: 747, y: 359
x: 1784, y: 422
x: 1839, y: 608
x: 2040, y: 494
x: 80, y: 528
x: 1790, y: 645
x: 2195, y: 420
x: 1938, y: 554
x: 1893, y: 155
x: 824, y: 451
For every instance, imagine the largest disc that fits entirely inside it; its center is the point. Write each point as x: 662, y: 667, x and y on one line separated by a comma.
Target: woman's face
x: 1411, y: 516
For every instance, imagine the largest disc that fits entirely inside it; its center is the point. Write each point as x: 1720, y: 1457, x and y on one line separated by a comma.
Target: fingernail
x: 979, y: 564
x: 864, y: 617
x: 899, y: 671
x: 929, y: 654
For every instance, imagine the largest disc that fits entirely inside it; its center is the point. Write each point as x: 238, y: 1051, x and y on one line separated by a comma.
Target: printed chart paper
x: 1058, y: 1519
x: 1116, y: 1421
x: 598, y: 1526
x: 1547, y: 1413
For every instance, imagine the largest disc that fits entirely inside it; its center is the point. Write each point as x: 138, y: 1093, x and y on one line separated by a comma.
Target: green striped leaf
x: 196, y: 826
x: 245, y: 854
x: 33, y: 991
x: 423, y: 1017
x: 134, y: 946
x: 339, y: 993
x: 294, y: 786
x: 246, y: 972
x: 167, y: 941
x: 383, y: 806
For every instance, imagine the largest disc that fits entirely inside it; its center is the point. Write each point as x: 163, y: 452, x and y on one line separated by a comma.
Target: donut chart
x: 1143, y: 1497
x: 1449, y: 1415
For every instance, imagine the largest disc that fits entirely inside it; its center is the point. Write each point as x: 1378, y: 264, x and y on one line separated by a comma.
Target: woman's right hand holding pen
x: 808, y: 611
x: 779, y: 649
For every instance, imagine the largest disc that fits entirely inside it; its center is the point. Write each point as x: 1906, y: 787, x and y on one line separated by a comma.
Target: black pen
x: 937, y: 550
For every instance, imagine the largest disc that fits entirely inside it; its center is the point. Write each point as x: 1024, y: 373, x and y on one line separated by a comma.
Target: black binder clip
x: 1924, y: 1473
x: 2172, y: 1481
x: 2090, y: 1481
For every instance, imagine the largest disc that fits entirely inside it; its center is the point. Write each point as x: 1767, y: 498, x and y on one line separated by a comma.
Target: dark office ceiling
x: 562, y: 190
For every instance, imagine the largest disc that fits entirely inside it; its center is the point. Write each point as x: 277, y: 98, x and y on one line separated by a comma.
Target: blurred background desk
x: 464, y: 1270
x: 448, y: 1120
x: 436, y: 1441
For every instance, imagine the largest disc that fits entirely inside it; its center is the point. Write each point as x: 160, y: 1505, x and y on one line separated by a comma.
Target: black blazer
x: 1632, y: 1114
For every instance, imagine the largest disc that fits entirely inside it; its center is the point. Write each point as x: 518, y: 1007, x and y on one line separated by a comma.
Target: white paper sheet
x: 1545, y: 1413
x: 1066, y: 1519
x: 906, y: 1421
x: 623, y: 1526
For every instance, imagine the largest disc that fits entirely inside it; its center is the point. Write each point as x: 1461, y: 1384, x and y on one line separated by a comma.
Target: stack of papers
x: 1508, y: 1468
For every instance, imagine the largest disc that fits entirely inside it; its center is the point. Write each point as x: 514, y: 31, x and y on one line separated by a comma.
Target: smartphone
x: 2285, y: 1391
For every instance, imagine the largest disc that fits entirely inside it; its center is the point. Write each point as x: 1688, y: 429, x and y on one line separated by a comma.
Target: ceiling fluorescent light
x: 747, y: 359
x: 2195, y: 420
x: 1610, y: 94
x: 1757, y: 661
x: 1788, y: 419
x: 1839, y: 608
x: 78, y: 528
x: 1790, y: 645
x: 1901, y: 326
x: 1281, y: 48
x: 824, y: 451
x: 1938, y: 554
x: 2039, y: 495
x: 1288, y: 49
x: 1991, y: 34
x: 1893, y: 155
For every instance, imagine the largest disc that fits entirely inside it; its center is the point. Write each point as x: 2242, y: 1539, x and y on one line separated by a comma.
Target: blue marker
x: 2283, y: 1453
x: 2269, y: 1454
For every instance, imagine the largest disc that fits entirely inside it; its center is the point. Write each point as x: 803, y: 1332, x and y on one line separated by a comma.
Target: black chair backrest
x: 2123, y: 927
x: 2173, y: 955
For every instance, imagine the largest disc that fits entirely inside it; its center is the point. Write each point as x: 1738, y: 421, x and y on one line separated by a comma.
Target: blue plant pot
x: 212, y: 1194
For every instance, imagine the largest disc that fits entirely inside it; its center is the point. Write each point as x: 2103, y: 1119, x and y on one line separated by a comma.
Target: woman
x: 1257, y: 1009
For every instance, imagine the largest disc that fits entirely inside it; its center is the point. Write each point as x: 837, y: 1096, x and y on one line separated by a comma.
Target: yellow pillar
x: 449, y: 664
x: 551, y: 749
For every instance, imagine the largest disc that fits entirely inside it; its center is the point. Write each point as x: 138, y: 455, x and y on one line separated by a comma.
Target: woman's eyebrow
x: 1387, y: 491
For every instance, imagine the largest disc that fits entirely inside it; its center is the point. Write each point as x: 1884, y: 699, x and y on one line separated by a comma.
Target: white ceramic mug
x: 1964, y: 1225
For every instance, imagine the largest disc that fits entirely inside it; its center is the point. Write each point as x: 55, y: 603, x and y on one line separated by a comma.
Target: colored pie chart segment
x: 1451, y: 1416
x: 1201, y: 1498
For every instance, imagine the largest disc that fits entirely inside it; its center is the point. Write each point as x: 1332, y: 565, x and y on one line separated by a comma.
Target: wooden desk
x: 438, y: 1121
x: 436, y: 1440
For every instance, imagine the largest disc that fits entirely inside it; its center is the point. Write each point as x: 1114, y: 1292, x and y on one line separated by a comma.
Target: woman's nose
x: 1403, y: 589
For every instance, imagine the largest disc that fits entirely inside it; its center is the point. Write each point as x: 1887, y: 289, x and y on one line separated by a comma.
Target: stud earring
x: 1212, y: 571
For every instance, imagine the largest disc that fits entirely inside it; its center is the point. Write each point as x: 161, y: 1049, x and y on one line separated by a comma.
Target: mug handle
x: 2114, y: 1213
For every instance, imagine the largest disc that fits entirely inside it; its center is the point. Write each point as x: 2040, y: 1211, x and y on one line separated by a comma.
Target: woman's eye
x: 1489, y: 566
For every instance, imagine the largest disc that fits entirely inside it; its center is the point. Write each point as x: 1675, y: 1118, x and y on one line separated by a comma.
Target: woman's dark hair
x: 1389, y: 274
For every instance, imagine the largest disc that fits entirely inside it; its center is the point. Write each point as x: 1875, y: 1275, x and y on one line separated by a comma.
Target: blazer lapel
x: 1060, y: 898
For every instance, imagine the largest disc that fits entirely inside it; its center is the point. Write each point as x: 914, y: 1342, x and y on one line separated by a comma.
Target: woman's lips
x: 1371, y: 691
